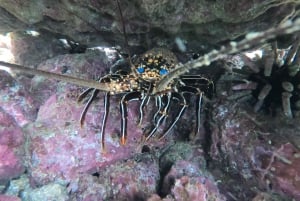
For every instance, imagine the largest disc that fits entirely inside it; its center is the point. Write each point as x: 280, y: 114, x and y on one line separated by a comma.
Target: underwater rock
x: 179, y: 169
x: 11, y: 165
x: 182, y: 151
x: 280, y: 169
x: 11, y: 148
x: 51, y: 191
x: 148, y: 22
x: 232, y: 135
x: 185, y: 181
x: 9, y: 22
x: 90, y: 65
x: 185, y: 176
x: 19, y: 186
x: 11, y: 133
x: 133, y: 179
x: 195, y: 189
x: 31, y: 48
x: 16, y: 100
x: 11, y: 141
x: 9, y: 198
x: 245, y: 145
x: 265, y: 196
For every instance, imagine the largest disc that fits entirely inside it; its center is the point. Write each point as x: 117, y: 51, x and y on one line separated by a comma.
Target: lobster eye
x: 140, y: 69
x: 163, y: 71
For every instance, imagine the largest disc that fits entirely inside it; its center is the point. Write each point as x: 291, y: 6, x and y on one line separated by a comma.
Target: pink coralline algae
x: 11, y: 148
x: 9, y: 198
x: 59, y: 148
x: 244, y: 143
x: 185, y: 181
x: 191, y: 183
x: 133, y: 179
x: 281, y: 169
x: 10, y: 165
x: 16, y: 100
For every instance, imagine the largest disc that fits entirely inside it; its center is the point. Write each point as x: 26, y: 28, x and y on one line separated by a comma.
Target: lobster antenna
x: 65, y: 78
x: 125, y: 34
x: 251, y: 40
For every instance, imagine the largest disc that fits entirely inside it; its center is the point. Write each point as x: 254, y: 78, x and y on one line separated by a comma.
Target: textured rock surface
x: 91, y: 65
x: 48, y: 192
x: 182, y: 151
x: 9, y: 198
x: 185, y: 181
x: 133, y: 179
x: 18, y: 187
x: 30, y: 50
x: 11, y: 148
x: 148, y: 22
x: 16, y: 100
x: 21, y: 188
x: 280, y: 168
x: 246, y: 146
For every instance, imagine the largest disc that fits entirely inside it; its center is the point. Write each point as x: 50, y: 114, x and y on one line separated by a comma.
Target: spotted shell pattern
x: 155, y: 63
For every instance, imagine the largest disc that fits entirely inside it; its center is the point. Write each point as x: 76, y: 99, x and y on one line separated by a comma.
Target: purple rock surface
x: 246, y: 146
x: 132, y: 179
x: 188, y: 182
x: 11, y: 148
x: 185, y: 181
x: 9, y: 198
x: 16, y: 100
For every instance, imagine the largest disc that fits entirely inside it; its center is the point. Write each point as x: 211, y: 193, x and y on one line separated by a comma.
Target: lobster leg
x: 199, y: 112
x: 123, y: 110
x: 144, y: 102
x: 183, y: 104
x: 159, y: 105
x: 104, y: 118
x: 161, y: 116
x: 199, y: 94
x: 87, y: 105
x: 198, y: 82
x: 83, y: 94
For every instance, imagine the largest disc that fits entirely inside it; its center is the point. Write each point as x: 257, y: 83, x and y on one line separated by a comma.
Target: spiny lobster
x: 158, y: 74
x: 139, y: 84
